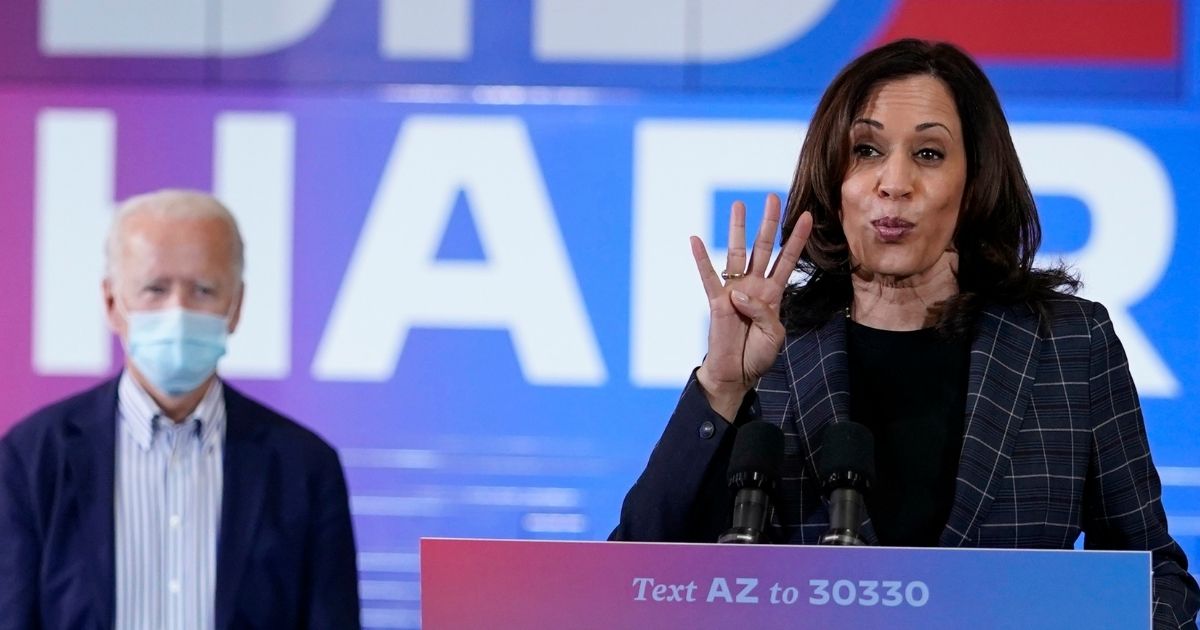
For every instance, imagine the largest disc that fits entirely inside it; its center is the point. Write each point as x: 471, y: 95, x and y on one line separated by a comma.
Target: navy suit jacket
x: 1054, y: 445
x: 285, y: 553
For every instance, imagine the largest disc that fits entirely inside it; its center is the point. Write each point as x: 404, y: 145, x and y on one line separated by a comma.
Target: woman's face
x: 904, y: 186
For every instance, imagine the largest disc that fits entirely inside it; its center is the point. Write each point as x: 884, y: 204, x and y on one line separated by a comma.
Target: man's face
x: 166, y: 262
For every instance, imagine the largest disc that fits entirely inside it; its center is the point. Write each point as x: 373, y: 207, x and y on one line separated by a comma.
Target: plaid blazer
x: 1054, y: 445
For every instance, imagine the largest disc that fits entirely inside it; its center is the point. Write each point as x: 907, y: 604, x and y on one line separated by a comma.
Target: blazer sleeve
x: 1123, y: 502
x: 19, y: 563
x: 333, y: 571
x: 682, y: 495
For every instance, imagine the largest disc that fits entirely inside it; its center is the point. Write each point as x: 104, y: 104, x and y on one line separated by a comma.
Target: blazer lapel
x: 1003, y: 364
x: 89, y: 472
x: 820, y: 378
x: 243, y: 489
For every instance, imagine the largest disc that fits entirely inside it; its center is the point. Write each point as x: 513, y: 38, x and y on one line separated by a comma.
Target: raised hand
x: 745, y: 333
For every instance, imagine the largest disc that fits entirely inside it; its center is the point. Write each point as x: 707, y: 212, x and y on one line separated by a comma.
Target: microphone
x: 846, y: 469
x: 753, y: 469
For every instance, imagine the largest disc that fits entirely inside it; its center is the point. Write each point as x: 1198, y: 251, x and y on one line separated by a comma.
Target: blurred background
x: 467, y: 221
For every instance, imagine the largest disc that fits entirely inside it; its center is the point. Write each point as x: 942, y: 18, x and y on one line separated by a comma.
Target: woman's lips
x: 891, y: 229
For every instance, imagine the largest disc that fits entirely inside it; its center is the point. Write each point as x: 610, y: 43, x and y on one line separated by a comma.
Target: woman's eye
x: 930, y: 155
x: 866, y: 150
x: 154, y: 290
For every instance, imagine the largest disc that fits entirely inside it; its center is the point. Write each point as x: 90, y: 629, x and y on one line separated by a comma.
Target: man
x: 164, y: 498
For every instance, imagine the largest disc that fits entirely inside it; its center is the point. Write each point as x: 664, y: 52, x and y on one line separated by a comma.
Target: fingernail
x: 741, y: 297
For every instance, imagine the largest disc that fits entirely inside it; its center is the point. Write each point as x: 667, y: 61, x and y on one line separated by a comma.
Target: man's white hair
x: 170, y: 203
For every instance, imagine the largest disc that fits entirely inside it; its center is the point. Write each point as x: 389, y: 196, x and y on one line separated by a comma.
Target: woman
x: 1002, y: 408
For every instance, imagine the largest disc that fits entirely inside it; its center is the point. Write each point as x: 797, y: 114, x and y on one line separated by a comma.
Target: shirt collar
x: 141, y: 413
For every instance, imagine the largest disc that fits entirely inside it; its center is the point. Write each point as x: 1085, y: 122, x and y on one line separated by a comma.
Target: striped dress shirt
x: 167, y: 509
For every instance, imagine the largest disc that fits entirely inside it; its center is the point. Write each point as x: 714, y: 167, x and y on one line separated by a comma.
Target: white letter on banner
x: 678, y: 165
x: 526, y: 284
x: 1131, y: 201
x: 253, y: 176
x: 719, y: 589
x: 635, y: 31
x: 154, y: 28
x: 425, y: 29
x: 76, y: 149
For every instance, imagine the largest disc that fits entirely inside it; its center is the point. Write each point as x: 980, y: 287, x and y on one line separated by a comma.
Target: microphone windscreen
x: 847, y: 448
x: 757, y: 448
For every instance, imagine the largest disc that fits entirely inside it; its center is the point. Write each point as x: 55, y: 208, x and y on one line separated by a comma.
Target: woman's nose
x: 896, y: 178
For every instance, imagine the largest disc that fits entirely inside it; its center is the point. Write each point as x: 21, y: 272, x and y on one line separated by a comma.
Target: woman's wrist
x: 724, y: 398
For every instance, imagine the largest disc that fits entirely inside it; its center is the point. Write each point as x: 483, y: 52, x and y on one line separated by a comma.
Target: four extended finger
x: 785, y: 263
x: 708, y: 275
x: 764, y: 242
x: 735, y: 260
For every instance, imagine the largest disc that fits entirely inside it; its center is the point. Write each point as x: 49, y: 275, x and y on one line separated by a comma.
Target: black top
x: 910, y: 389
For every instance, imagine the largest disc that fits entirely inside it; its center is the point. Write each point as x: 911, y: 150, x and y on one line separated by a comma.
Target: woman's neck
x: 892, y: 303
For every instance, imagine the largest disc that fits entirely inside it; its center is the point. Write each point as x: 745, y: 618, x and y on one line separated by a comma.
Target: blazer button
x: 707, y: 430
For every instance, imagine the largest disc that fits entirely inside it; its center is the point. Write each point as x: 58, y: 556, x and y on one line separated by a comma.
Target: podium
x: 535, y: 584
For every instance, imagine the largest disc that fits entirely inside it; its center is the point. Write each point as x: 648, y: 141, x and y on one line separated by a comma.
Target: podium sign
x: 531, y: 584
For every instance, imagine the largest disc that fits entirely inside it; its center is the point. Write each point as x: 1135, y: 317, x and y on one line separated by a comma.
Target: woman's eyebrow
x: 928, y: 125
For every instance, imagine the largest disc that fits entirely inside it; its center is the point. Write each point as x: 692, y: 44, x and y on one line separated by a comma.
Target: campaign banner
x: 526, y: 584
x: 486, y: 299
x: 1068, y: 48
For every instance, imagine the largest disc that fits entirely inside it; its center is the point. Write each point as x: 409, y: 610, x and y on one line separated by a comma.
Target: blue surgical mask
x: 175, y: 348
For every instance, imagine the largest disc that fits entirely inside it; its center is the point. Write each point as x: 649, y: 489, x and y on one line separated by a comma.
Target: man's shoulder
x: 75, y: 411
x: 279, y: 431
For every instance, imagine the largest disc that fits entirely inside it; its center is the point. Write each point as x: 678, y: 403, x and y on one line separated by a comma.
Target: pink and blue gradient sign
x: 448, y: 291
x: 1114, y: 48
x: 526, y: 584
x: 473, y: 277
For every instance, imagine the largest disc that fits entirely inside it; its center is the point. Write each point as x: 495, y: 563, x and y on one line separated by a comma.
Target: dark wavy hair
x: 997, y: 233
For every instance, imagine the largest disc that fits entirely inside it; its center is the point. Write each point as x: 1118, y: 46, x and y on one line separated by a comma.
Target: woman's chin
x: 898, y: 265
x: 897, y: 274
x: 875, y: 270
